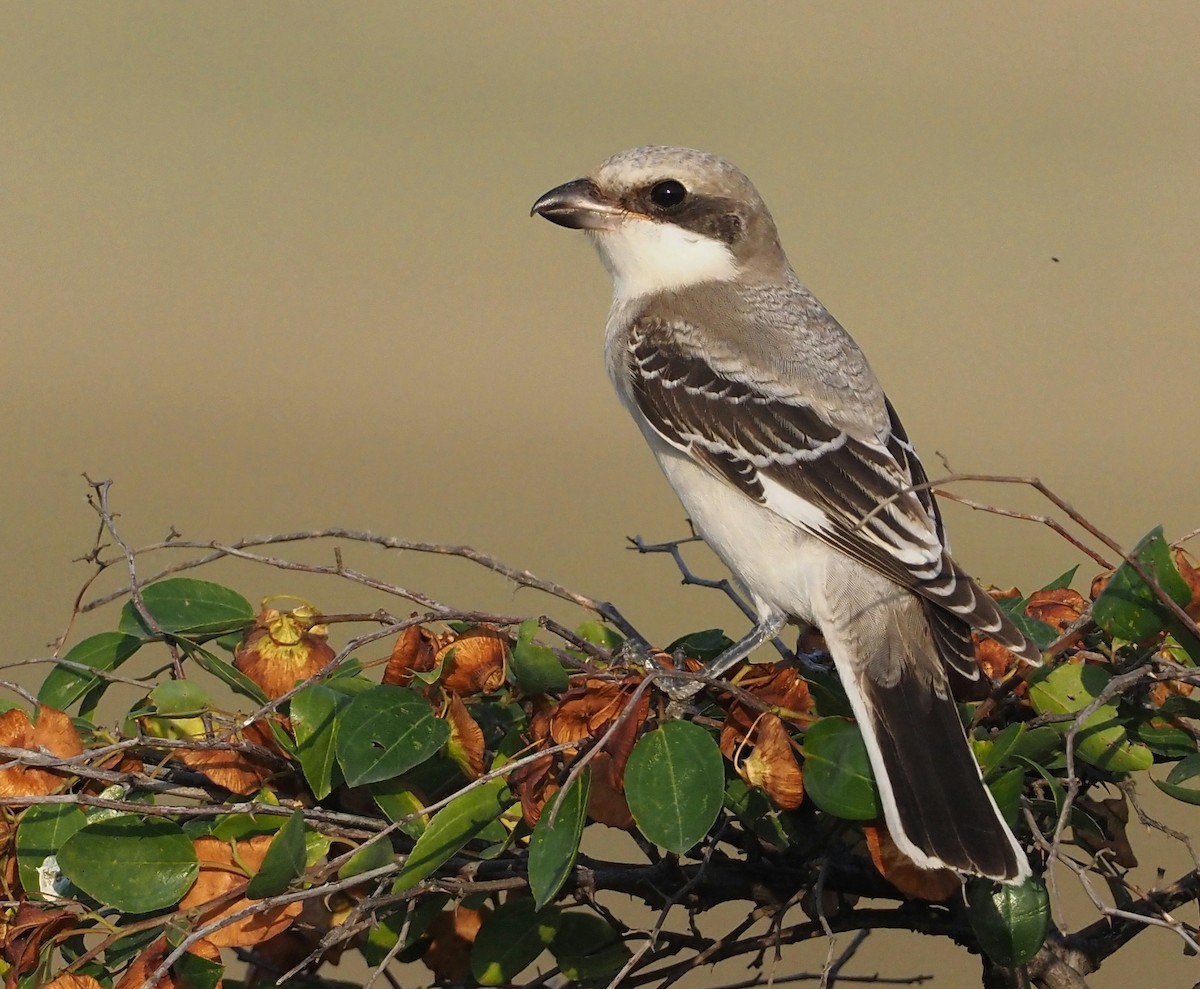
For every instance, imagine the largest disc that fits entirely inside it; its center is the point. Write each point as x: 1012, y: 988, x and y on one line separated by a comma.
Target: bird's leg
x: 680, y: 689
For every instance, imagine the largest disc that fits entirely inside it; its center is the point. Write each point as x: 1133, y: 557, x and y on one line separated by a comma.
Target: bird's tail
x: 936, y: 806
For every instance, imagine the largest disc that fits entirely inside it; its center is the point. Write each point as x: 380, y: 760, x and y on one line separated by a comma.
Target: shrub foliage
x: 420, y: 793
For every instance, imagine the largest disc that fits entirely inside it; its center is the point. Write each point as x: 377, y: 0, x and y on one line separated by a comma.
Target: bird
x: 793, y: 466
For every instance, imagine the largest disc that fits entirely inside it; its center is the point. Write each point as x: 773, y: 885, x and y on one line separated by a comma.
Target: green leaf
x: 553, y: 847
x: 828, y: 694
x: 284, y: 861
x: 1102, y: 740
x: 132, y: 863
x: 1127, y: 608
x: 375, y: 855
x: 178, y: 697
x: 837, y: 771
x: 587, y: 948
x: 189, y: 607
x: 992, y: 753
x: 42, y: 831
x: 509, y: 940
x: 599, y: 634
x: 226, y: 673
x: 1180, y: 773
x: 1164, y: 738
x: 400, y: 802
x: 1006, y: 791
x: 384, y: 732
x: 106, y: 651
x: 535, y: 669
x: 314, y: 719
x: 1036, y: 744
x: 382, y: 936
x: 704, y: 646
x: 675, y: 784
x: 193, y: 972
x: 451, y: 828
x: 1010, y: 921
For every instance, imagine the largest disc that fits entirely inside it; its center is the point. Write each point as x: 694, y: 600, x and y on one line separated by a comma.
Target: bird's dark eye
x: 668, y: 194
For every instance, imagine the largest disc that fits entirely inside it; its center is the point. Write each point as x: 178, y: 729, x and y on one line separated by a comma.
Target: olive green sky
x: 269, y: 267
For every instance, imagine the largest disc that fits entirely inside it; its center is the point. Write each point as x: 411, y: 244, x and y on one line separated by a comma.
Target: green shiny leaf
x: 314, y: 719
x: 132, y: 863
x: 1127, y: 608
x: 1010, y: 921
x: 837, y: 771
x: 375, y: 855
x: 1181, y: 772
x: 675, y: 784
x: 178, y: 697
x: 188, y: 607
x: 108, y: 650
x: 1102, y: 741
x: 1006, y: 791
x: 1164, y: 738
x: 382, y: 936
x: 553, y: 847
x: 705, y: 645
x: 599, y: 634
x: 509, y: 940
x: 586, y: 947
x: 400, y: 802
x: 384, y: 732
x: 284, y: 861
x: 535, y: 669
x: 228, y: 674
x: 992, y: 753
x: 193, y: 972
x: 451, y: 828
x: 42, y: 831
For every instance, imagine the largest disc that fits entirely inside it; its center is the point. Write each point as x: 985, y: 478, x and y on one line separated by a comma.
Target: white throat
x: 645, y: 257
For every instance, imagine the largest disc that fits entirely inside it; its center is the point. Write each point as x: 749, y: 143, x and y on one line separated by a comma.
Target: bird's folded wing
x: 786, y: 453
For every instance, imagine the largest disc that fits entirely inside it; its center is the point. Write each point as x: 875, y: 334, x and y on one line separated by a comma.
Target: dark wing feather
x: 855, y: 495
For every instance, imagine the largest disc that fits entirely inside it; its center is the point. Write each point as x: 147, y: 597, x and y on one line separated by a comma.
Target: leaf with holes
x: 384, y: 732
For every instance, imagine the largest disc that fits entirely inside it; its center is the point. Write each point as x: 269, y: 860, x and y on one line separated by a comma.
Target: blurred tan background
x: 269, y: 267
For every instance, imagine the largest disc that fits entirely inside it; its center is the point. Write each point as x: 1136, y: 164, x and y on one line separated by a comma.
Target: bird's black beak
x: 578, y: 205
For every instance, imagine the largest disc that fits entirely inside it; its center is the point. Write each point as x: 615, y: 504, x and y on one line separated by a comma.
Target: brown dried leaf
x: 239, y: 772
x: 606, y: 798
x: 221, y: 875
x: 903, y: 873
x: 80, y: 982
x: 474, y: 662
x: 1099, y: 582
x: 994, y: 660
x: 283, y: 648
x: 534, y: 784
x: 414, y: 652
x: 465, y: 746
x: 153, y: 956
x: 450, y: 938
x: 1191, y: 577
x: 1112, y: 815
x: 771, y: 765
x: 1059, y: 608
x: 27, y: 932
x: 53, y: 732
